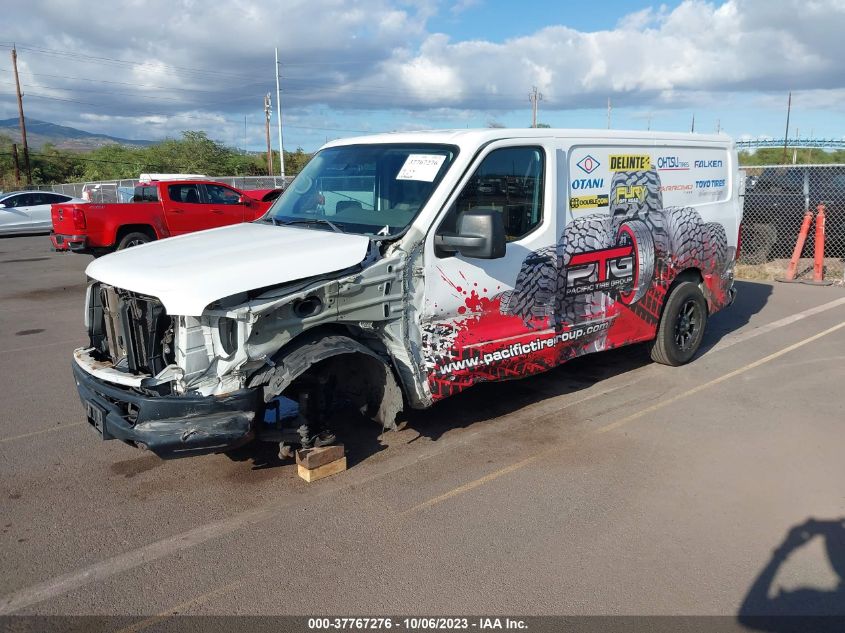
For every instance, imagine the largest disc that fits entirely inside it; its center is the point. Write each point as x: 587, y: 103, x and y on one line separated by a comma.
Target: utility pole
x: 279, y: 120
x: 648, y: 127
x: 786, y: 134
x: 718, y: 126
x: 534, y: 97
x: 609, y: 110
x: 17, y: 166
x: 22, y: 119
x: 795, y: 149
x: 810, y: 149
x: 692, y: 127
x: 267, y: 112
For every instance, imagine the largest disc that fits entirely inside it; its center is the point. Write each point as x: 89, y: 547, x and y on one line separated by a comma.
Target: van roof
x: 468, y: 138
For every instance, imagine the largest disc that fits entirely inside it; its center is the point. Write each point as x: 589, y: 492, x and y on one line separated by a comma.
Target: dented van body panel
x: 401, y: 269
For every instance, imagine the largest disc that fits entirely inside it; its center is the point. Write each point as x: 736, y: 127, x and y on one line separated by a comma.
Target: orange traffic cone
x: 818, y: 255
x: 799, y: 247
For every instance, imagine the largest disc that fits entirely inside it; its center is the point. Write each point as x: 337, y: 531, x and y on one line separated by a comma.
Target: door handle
x: 178, y: 211
x: 217, y: 211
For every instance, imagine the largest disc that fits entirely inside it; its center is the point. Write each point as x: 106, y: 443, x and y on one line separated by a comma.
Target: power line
x: 308, y: 84
x: 126, y: 83
x: 75, y: 157
x: 192, y: 116
x: 125, y: 62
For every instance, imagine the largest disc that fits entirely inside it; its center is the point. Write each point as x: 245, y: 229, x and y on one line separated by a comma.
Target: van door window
x: 509, y: 180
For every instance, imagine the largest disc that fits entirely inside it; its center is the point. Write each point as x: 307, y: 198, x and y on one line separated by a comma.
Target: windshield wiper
x: 333, y: 226
x: 269, y: 218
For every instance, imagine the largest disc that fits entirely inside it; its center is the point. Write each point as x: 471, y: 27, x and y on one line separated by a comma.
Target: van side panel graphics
x: 602, y: 285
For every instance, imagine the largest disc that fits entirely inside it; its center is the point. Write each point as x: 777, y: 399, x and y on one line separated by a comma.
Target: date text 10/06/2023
x: 416, y: 624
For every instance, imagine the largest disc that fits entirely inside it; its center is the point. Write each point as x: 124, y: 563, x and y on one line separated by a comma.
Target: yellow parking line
x: 619, y: 423
x: 39, y: 346
x: 733, y: 374
x: 474, y: 484
x: 41, y: 432
x: 176, y: 609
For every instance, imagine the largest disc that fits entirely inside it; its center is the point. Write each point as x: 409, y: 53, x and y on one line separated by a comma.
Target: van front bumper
x: 169, y: 426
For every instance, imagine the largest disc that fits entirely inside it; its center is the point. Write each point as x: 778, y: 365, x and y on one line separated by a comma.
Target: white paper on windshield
x: 421, y: 167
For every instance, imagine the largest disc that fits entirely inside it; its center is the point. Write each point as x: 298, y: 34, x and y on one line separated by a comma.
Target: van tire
x: 652, y: 200
x: 686, y: 234
x: 684, y: 315
x: 533, y: 295
x: 581, y: 235
x: 135, y: 238
x: 716, y: 247
x: 758, y: 241
x: 644, y: 243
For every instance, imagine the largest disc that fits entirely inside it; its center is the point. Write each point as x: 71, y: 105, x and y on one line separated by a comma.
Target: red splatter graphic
x: 483, y: 330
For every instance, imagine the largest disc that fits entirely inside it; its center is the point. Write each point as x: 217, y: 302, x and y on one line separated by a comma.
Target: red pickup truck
x: 158, y: 209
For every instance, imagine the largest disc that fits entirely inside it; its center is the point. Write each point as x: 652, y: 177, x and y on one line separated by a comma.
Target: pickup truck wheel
x: 681, y: 326
x: 757, y: 243
x: 136, y: 238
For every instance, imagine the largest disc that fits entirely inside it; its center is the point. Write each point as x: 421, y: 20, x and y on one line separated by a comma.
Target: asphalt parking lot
x: 608, y: 486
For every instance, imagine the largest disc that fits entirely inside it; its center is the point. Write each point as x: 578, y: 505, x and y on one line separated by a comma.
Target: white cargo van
x: 400, y: 269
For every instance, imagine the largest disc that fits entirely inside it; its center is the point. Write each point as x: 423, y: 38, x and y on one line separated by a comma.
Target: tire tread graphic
x: 581, y: 235
x: 644, y: 243
x: 668, y: 241
x: 533, y: 295
x: 716, y: 247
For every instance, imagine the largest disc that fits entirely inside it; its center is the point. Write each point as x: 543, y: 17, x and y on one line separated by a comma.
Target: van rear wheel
x: 681, y: 326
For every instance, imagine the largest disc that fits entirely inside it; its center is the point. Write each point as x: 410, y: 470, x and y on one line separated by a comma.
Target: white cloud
x: 379, y: 54
x: 462, y: 5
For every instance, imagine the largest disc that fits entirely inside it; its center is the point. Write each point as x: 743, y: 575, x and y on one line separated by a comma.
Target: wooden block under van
x: 326, y: 470
x: 315, y: 457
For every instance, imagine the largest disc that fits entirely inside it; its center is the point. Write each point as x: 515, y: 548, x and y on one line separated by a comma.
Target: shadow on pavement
x: 805, y: 608
x: 485, y: 402
x: 751, y: 298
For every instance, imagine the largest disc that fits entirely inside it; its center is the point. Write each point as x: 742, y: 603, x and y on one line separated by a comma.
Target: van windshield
x: 365, y: 189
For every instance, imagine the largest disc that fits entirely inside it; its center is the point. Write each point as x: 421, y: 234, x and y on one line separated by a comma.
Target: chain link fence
x: 122, y: 190
x: 775, y: 200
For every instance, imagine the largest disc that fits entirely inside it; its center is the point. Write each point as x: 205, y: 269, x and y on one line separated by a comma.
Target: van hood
x: 188, y: 272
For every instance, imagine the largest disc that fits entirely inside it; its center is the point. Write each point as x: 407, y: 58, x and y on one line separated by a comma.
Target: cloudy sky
x: 151, y: 68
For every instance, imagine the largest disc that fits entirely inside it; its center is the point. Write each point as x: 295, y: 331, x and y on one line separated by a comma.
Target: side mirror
x: 481, y: 234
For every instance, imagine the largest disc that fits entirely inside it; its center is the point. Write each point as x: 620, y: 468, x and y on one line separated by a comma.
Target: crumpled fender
x: 296, y: 358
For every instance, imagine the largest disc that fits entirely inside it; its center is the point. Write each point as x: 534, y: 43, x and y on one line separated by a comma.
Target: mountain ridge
x: 40, y: 133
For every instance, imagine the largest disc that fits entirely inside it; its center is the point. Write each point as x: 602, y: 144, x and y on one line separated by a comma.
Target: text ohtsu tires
x: 681, y: 327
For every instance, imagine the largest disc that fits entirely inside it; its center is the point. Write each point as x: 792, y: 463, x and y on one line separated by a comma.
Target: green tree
x: 194, y: 152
